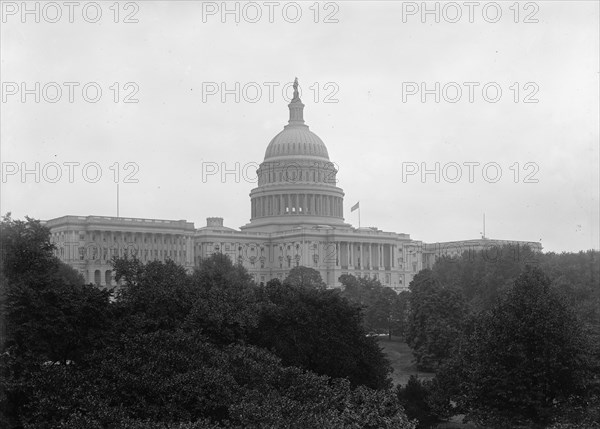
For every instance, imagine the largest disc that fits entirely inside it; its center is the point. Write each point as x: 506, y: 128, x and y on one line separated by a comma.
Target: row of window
x: 126, y: 237
x: 297, y: 175
x: 145, y: 254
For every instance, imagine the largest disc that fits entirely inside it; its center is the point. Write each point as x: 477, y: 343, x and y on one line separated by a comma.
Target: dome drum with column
x: 300, y: 171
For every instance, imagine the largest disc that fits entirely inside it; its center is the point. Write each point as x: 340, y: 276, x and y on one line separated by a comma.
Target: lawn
x: 402, y: 360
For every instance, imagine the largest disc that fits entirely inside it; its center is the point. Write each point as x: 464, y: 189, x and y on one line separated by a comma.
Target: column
x: 348, y: 253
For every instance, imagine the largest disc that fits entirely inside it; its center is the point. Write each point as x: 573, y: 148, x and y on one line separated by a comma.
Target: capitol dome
x: 296, y: 140
x: 297, y: 185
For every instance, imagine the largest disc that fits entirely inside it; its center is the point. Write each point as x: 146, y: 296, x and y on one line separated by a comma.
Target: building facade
x: 296, y: 219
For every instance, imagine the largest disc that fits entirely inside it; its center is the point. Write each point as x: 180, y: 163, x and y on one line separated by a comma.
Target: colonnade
x: 368, y: 256
x: 103, y: 245
x: 308, y: 204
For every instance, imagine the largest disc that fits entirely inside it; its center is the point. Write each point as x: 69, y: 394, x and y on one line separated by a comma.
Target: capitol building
x: 296, y: 219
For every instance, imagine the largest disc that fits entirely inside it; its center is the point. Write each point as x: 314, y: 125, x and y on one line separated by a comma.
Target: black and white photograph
x: 299, y: 214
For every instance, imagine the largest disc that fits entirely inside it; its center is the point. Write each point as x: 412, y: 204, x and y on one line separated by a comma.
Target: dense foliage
x: 321, y: 331
x: 435, y: 320
x: 172, y: 349
x: 384, y: 311
x: 511, y: 345
x: 523, y: 360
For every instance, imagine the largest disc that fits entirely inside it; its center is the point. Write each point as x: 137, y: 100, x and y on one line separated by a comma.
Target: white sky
x: 370, y: 132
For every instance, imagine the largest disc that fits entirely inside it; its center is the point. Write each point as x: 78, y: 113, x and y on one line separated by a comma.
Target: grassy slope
x: 401, y: 358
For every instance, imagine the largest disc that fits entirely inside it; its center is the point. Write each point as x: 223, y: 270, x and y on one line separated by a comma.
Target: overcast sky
x: 361, y: 79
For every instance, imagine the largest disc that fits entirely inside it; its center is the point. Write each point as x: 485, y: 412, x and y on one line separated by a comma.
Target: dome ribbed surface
x: 296, y: 141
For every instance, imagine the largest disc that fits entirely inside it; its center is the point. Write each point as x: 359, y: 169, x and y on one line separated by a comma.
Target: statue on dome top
x: 296, y: 96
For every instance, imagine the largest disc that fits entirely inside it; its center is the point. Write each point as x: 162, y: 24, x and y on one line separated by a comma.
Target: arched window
x: 97, y: 278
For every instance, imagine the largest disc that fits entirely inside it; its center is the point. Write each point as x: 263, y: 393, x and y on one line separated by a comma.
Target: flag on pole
x: 355, y: 207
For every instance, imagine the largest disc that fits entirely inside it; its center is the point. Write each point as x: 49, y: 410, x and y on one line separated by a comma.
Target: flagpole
x: 359, y: 216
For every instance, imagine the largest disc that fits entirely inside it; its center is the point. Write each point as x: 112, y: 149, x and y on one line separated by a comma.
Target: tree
x: 305, y: 277
x: 520, y: 361
x: 225, y: 309
x: 179, y: 379
x: 320, y: 331
x: 482, y: 276
x: 419, y: 401
x: 384, y: 311
x: 50, y: 316
x: 435, y: 320
x: 50, y: 313
x: 156, y: 295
